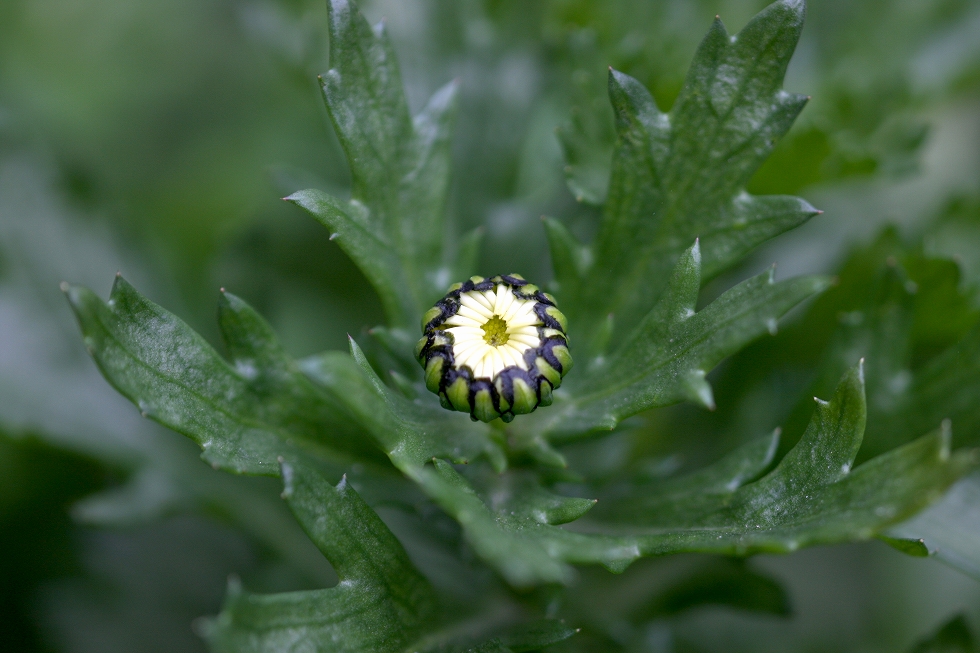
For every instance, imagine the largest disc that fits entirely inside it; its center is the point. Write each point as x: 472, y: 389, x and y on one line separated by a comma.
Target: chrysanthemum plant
x: 497, y: 348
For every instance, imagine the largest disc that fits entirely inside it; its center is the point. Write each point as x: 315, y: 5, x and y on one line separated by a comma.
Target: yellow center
x: 495, y: 331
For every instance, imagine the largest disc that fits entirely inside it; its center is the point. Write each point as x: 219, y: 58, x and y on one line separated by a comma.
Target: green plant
x: 675, y: 215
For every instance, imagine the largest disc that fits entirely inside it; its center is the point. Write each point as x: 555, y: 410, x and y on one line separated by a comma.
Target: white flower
x: 494, y: 348
x: 492, y: 330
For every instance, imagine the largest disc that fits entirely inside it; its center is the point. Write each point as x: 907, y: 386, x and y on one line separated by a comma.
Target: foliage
x: 448, y: 535
x: 953, y: 636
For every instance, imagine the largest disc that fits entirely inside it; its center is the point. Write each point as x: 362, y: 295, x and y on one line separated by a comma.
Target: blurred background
x: 156, y: 138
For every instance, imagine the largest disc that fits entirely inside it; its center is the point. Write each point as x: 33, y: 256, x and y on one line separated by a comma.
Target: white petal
x: 496, y: 362
x: 467, y: 345
x: 525, y: 311
x: 511, y: 355
x: 522, y: 322
x: 481, y: 297
x: 530, y: 331
x: 468, y: 313
x: 478, y: 366
x: 520, y: 357
x: 462, y: 345
x: 465, y: 352
x: 526, y: 329
x: 461, y: 349
x: 487, y: 299
x: 468, y: 300
x: 524, y: 339
x: 504, y: 299
x: 488, y: 362
x: 514, y: 308
x: 466, y: 331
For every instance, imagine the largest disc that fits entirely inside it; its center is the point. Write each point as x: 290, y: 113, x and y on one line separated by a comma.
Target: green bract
x: 494, y: 348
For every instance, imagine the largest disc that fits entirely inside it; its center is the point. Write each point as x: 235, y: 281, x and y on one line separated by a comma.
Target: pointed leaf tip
x: 288, y: 479
x: 717, y: 29
x: 698, y: 390
x: 914, y: 547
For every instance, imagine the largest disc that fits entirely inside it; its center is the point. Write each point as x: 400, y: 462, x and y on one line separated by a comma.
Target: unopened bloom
x: 494, y: 348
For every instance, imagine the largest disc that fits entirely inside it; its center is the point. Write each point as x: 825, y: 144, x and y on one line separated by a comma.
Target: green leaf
x: 569, y: 259
x: 392, y: 227
x: 901, y: 310
x: 813, y: 496
x: 682, y: 175
x: 513, y: 538
x: 673, y: 500
x: 587, y: 152
x: 366, y: 245
x: 411, y: 433
x: 946, y: 387
x: 673, y: 348
x: 536, y: 635
x: 915, y: 548
x: 380, y: 604
x: 905, y: 314
x: 396, y: 347
x: 953, y: 637
x: 263, y: 405
x: 244, y: 413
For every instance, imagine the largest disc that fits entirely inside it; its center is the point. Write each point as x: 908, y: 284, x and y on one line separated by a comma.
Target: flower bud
x: 494, y: 348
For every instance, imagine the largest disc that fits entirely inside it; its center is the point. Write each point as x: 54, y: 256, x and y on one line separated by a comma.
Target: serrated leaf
x: 411, y: 433
x: 681, y: 175
x: 885, y: 310
x: 813, y: 494
x: 515, y: 542
x: 888, y: 302
x: 392, y: 227
x: 243, y: 413
x: 673, y: 348
x: 263, y: 405
x: 811, y: 497
x: 380, y: 604
x: 365, y: 244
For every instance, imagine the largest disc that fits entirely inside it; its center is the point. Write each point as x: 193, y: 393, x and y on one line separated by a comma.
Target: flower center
x: 495, y: 331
